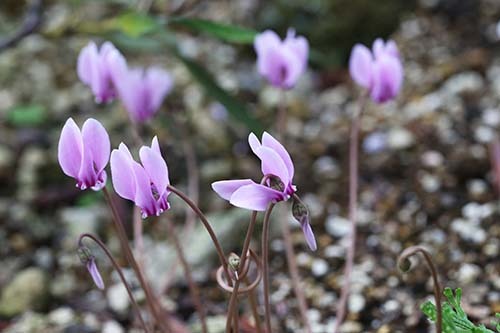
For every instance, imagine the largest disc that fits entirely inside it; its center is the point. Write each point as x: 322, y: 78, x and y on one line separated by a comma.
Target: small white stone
x: 319, y: 267
x: 467, y: 273
x: 400, y: 138
x: 337, y: 226
x: 112, y: 326
x: 62, y: 316
x: 356, y: 303
x: 432, y: 159
x: 118, y: 298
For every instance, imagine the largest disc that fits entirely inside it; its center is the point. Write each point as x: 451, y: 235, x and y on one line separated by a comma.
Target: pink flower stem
x: 193, y: 288
x: 353, y: 207
x: 120, y: 273
x: 232, y: 309
x: 207, y: 226
x: 403, y: 261
x: 285, y: 231
x: 161, y: 320
x: 265, y: 266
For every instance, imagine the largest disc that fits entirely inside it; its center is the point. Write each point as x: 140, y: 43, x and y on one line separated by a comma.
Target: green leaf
x: 226, y: 32
x: 235, y: 108
x: 26, y: 115
x: 133, y: 24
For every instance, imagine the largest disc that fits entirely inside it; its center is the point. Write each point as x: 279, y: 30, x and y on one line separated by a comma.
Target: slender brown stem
x: 193, y: 288
x: 138, y: 239
x: 244, y: 254
x: 161, y: 320
x: 353, y: 207
x: 265, y: 266
x: 207, y: 226
x: 252, y: 299
x: 285, y: 231
x: 31, y: 22
x: 119, y: 271
x: 404, y: 264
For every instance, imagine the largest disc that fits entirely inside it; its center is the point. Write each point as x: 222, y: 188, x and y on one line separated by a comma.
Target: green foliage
x: 133, y: 24
x: 27, y: 115
x: 454, y: 317
x: 225, y: 32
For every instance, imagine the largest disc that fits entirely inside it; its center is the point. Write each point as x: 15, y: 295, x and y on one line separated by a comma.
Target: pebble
x: 319, y: 267
x: 470, y: 82
x: 327, y: 167
x: 337, y: 226
x: 357, y: 303
x: 469, y: 230
x: 118, y: 298
x: 432, y: 159
x: 400, y: 138
x: 467, y: 273
x: 112, y: 326
x: 62, y: 316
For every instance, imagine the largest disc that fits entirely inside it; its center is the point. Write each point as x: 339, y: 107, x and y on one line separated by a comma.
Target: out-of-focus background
x: 425, y: 161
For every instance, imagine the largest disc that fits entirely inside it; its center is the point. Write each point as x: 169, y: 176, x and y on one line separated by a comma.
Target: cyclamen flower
x: 99, y: 68
x: 143, y: 91
x: 281, y: 62
x: 146, y: 184
x: 276, y: 165
x: 381, y: 72
x: 84, y: 155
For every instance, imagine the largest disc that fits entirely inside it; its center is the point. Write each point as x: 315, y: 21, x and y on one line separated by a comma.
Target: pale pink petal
x: 270, y: 142
x: 226, y: 188
x: 263, y: 43
x: 96, y: 139
x: 94, y: 273
x: 254, y: 142
x: 360, y: 65
x: 298, y: 45
x: 391, y: 48
x: 155, y: 145
x: 309, y: 236
x: 255, y: 197
x: 272, y: 164
x: 378, y: 48
x: 388, y: 77
x: 86, y: 59
x: 122, y: 172
x: 87, y: 175
x: 143, y: 195
x: 159, y: 83
x: 70, y: 149
x: 156, y: 168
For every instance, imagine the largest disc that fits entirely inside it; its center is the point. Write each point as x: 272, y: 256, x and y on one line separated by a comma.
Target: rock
x: 29, y: 322
x: 118, y: 298
x: 356, y: 303
x: 112, y: 326
x: 467, y: 273
x: 28, y: 290
x: 319, y: 267
x: 62, y: 316
x: 466, y: 82
x: 337, y: 226
x: 400, y: 138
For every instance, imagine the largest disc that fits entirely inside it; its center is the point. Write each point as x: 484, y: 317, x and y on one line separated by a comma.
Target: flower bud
x: 88, y: 260
x: 301, y: 214
x: 404, y: 265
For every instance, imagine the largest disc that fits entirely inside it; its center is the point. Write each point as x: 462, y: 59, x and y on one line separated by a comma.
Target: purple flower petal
x: 360, y: 65
x: 159, y: 83
x: 388, y: 76
x: 156, y: 168
x: 309, y: 235
x: 255, y: 197
x: 271, y: 142
x: 123, y: 173
x: 226, y: 188
x: 70, y: 149
x: 94, y: 273
x: 264, y: 42
x: 143, y: 195
x: 272, y: 164
x: 155, y: 145
x: 97, y: 139
x: 86, y: 59
x: 378, y: 48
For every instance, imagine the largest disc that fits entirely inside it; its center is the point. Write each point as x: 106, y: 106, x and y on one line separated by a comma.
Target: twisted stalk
x: 353, y: 207
x: 285, y: 229
x: 162, y: 321
x: 193, y: 288
x: 244, y: 253
x: 119, y: 271
x: 404, y: 265
x: 265, y: 266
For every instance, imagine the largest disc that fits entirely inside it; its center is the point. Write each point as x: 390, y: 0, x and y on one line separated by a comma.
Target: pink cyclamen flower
x: 281, y: 62
x: 143, y: 91
x: 146, y: 184
x: 380, y: 71
x: 99, y: 69
x: 276, y: 165
x: 84, y: 155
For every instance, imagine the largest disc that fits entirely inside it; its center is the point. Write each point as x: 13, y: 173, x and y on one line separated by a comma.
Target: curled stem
x: 193, y: 288
x: 244, y: 254
x: 118, y: 270
x: 162, y: 321
x: 265, y: 266
x: 353, y: 207
x: 404, y: 265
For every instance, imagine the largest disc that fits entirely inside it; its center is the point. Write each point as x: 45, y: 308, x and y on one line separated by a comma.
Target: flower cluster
x: 106, y: 72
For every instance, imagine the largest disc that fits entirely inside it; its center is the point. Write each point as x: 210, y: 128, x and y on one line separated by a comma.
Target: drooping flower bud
x: 89, y: 261
x: 301, y: 214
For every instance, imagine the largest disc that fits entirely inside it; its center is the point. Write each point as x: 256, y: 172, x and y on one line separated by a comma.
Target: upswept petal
x: 87, y: 176
x: 155, y: 145
x: 298, y: 45
x: 255, y: 197
x: 264, y: 42
x: 388, y: 77
x: 159, y: 83
x: 156, y: 168
x: 392, y: 49
x: 143, y: 195
x: 254, y: 142
x: 226, y: 188
x: 309, y: 236
x: 292, y: 69
x: 70, y: 149
x: 123, y: 173
x: 271, y: 142
x: 272, y: 164
x: 96, y: 138
x: 360, y: 65
x: 87, y: 57
x: 378, y: 48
